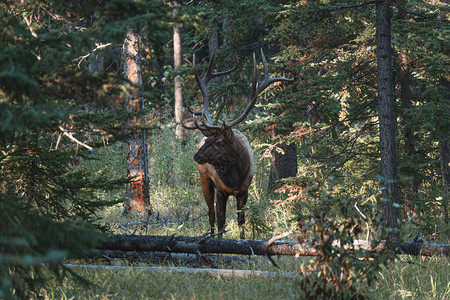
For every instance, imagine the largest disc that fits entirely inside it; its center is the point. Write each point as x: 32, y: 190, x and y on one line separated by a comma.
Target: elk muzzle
x: 199, y: 158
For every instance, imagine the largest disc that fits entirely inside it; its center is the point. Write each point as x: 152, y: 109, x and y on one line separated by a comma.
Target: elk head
x: 224, y: 157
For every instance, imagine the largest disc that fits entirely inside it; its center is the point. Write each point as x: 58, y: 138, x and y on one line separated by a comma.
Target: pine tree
x: 48, y: 200
x: 137, y: 158
x: 178, y: 85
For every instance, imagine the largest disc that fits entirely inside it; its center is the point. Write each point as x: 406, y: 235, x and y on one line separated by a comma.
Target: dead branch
x: 279, y: 237
x: 98, y: 46
x: 70, y: 136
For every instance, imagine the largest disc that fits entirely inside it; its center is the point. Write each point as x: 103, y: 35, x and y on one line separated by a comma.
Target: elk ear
x: 228, y: 133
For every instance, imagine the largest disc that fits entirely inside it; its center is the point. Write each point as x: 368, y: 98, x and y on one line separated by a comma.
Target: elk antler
x: 202, y: 83
x: 208, y: 128
x: 257, y: 89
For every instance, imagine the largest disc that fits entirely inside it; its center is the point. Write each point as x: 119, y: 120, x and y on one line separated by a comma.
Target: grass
x: 179, y: 209
x: 165, y: 285
x: 406, y: 278
x: 415, y: 278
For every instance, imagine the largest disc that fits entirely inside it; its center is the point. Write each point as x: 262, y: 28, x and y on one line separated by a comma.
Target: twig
x: 209, y: 235
x: 28, y: 21
x: 57, y: 141
x: 359, y: 211
x: 99, y: 46
x: 362, y: 215
x: 70, y: 136
x: 273, y: 240
x: 272, y: 261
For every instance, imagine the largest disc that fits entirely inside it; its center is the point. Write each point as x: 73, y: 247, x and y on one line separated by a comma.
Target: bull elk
x: 224, y: 157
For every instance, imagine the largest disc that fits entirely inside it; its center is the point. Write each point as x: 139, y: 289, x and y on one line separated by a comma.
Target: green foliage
x: 255, y: 217
x: 341, y: 270
x: 171, y: 162
x: 48, y: 201
x: 30, y: 240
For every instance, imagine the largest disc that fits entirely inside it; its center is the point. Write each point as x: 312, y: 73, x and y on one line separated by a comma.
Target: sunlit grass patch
x: 406, y: 278
x: 410, y: 277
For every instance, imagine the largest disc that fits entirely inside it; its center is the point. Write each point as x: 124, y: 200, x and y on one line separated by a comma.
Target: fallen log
x: 199, y: 245
x: 160, y: 257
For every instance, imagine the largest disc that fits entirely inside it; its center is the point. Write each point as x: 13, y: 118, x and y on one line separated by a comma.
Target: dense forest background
x: 65, y: 117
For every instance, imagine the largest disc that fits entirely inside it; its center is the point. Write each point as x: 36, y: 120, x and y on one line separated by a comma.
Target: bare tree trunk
x: 177, y: 61
x: 225, y: 25
x: 137, y: 190
x: 386, y: 114
x: 410, y: 143
x: 283, y: 164
x: 213, y: 42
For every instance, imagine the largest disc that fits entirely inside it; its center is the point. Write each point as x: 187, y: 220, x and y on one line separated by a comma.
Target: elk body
x: 224, y: 157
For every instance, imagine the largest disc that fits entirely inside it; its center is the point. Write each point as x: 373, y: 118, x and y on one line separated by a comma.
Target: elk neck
x: 234, y: 169
x: 231, y: 158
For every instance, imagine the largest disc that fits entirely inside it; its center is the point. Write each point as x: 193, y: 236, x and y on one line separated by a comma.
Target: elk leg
x: 221, y: 209
x: 241, y: 201
x: 208, y: 193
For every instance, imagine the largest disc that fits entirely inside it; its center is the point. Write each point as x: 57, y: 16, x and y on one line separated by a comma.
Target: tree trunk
x: 283, y: 164
x: 409, y: 193
x: 178, y: 89
x: 196, y: 245
x: 137, y: 190
x: 213, y: 41
x: 387, y: 121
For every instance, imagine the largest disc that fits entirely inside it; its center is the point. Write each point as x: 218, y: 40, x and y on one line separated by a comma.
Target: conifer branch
x: 321, y: 11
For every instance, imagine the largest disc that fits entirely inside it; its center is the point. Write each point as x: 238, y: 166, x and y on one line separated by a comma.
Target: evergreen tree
x: 48, y: 201
x: 137, y: 158
x: 177, y: 62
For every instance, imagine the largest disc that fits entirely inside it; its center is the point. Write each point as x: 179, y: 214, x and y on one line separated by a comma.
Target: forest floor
x: 407, y: 277
x: 179, y: 209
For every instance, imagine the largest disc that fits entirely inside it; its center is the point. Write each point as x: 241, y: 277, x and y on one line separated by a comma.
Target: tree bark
x: 387, y: 121
x: 178, y: 88
x: 161, y: 257
x: 196, y: 245
x: 282, y: 164
x: 409, y: 192
x: 213, y: 41
x: 137, y: 190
